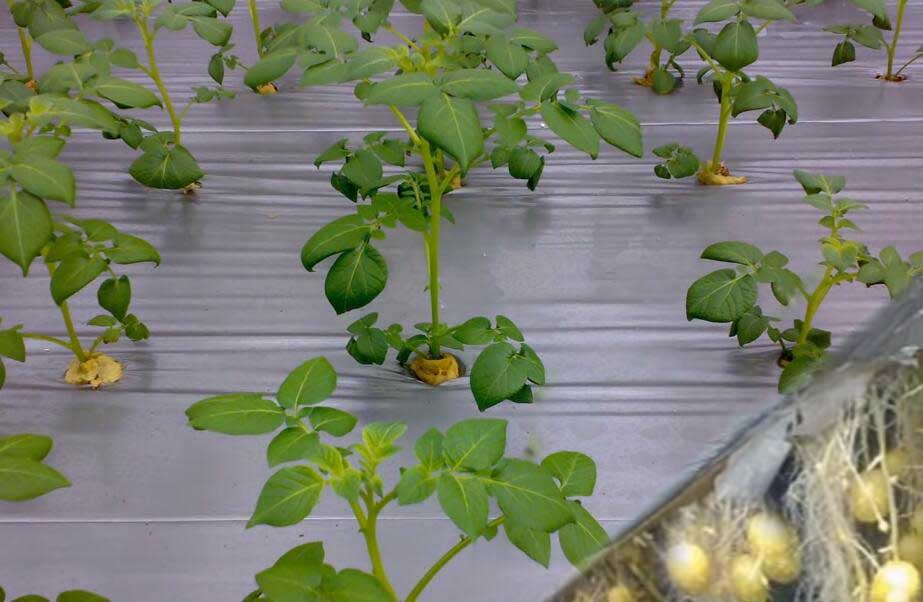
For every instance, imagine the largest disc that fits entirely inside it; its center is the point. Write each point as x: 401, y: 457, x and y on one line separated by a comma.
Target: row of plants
x: 468, y: 60
x: 726, y: 54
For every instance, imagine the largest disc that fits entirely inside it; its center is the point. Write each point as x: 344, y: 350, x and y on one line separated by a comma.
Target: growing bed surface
x: 593, y: 267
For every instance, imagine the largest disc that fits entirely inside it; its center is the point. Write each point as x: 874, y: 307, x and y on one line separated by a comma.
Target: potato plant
x: 627, y: 29
x: 23, y: 473
x: 872, y: 36
x: 731, y: 295
x: 726, y: 54
x: 76, y: 252
x: 467, y: 55
x: 165, y: 162
x: 465, y: 467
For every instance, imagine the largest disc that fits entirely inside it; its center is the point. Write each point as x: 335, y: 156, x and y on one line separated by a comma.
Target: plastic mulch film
x: 819, y: 500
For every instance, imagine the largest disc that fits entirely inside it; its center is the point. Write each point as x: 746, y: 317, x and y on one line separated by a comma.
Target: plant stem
x: 49, y: 339
x: 368, y: 525
x: 432, y: 246
x: 723, y: 119
x: 69, y: 325
x: 814, y: 301
x: 444, y: 560
x: 26, y: 44
x: 153, y: 71
x: 255, y: 21
x: 892, y: 49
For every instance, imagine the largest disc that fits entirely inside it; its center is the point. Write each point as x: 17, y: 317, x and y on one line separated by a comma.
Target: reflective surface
x: 593, y: 267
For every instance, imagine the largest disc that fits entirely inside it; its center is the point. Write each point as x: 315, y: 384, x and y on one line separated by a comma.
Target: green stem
x: 444, y: 560
x: 26, y: 42
x: 814, y: 301
x: 723, y: 120
x: 432, y: 246
x: 153, y: 72
x: 255, y: 21
x: 892, y: 49
x: 75, y: 345
x: 369, y: 528
x: 48, y: 339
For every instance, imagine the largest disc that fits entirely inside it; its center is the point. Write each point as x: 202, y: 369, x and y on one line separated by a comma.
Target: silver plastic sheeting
x: 593, y: 267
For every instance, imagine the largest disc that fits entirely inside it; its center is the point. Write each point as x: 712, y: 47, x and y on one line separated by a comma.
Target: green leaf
x: 751, y: 326
x: 25, y: 227
x: 48, y: 147
x: 736, y: 46
x: 815, y: 183
x: 415, y: 486
x: 114, y: 296
x: 330, y: 420
x: 509, y: 58
x: 464, y: 500
x: 452, y: 124
x: 24, y: 479
x: 497, y: 373
x: 844, y: 52
x: 528, y: 496
x: 575, y: 472
x: 72, y: 275
x: 236, y: 414
x: 350, y: 585
x: 524, y: 163
x: 533, y: 40
x: 618, y: 127
x: 534, y: 543
x: 26, y: 446
x: 369, y: 62
x: 717, y: 10
x: 356, y: 278
x: 428, y: 449
x: 797, y: 373
x: 46, y: 178
x: 330, y: 72
x: 476, y: 331
x: 582, y: 539
x: 12, y: 346
x: 662, y: 81
x: 545, y: 87
x: 876, y: 7
x: 310, y: 383
x: 84, y: 113
x: 475, y: 444
x: 407, y: 90
x: 168, y: 167
x: 292, y: 444
x: 535, y: 369
x: 66, y: 42
x: 213, y: 31
x: 772, y: 10
x: 441, y: 14
x: 342, y: 234
x: 477, y: 84
x: 287, y: 497
x: 364, y: 170
x: 79, y: 595
x: 721, y: 296
x: 379, y: 437
x: 126, y: 94
x: 572, y: 127
x: 622, y: 41
x: 289, y: 582
x: 270, y: 67
x: 733, y: 252
x: 130, y: 249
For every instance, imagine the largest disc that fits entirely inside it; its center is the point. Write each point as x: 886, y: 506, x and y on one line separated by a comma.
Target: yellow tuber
x: 896, y: 581
x: 916, y: 521
x: 910, y: 549
x: 782, y: 568
x: 897, y: 462
x: 689, y: 568
x: 868, y: 497
x: 776, y: 543
x: 620, y: 593
x: 747, y: 580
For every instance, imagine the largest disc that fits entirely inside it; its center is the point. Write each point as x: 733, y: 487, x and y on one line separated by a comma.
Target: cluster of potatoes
x: 870, y: 497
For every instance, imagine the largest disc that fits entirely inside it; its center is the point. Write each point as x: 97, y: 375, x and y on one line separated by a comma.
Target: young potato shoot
x: 872, y: 36
x: 76, y: 252
x: 731, y: 295
x: 165, y: 162
x: 465, y: 467
x: 726, y: 54
x: 627, y: 29
x: 467, y: 58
